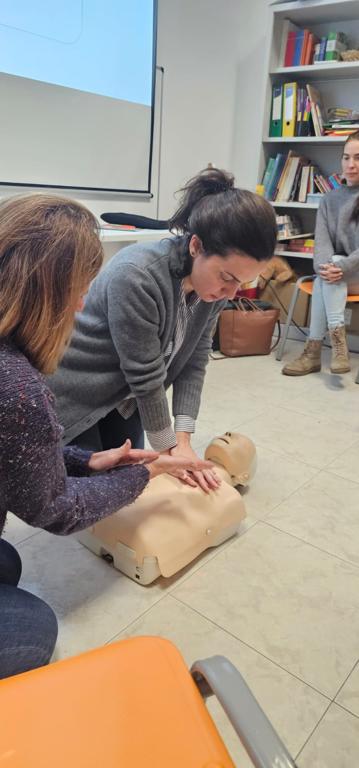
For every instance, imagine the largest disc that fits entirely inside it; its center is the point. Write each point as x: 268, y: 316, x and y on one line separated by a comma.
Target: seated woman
x: 336, y: 262
x: 149, y: 318
x: 49, y: 252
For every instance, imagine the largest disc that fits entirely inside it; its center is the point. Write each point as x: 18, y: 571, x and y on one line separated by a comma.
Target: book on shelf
x: 341, y: 126
x: 304, y: 123
x: 301, y: 47
x: 302, y: 245
x: 289, y: 31
x: 316, y: 109
x: 298, y: 110
x: 292, y: 177
x: 337, y: 42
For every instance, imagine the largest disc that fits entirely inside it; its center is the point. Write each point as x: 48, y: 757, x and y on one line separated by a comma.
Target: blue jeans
x: 28, y: 626
x: 328, y: 304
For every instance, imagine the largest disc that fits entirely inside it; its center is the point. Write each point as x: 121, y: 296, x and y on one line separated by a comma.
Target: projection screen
x: 77, y: 93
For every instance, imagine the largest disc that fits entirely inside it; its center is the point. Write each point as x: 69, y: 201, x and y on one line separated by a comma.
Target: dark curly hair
x: 225, y: 219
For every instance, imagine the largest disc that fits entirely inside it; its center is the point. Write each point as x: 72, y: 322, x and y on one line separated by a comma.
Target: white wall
x: 250, y: 91
x: 213, y: 54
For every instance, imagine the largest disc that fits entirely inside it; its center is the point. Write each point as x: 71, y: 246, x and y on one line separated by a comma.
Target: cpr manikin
x: 171, y: 523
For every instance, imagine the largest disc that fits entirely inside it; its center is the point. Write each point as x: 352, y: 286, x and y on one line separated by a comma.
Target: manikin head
x: 236, y: 453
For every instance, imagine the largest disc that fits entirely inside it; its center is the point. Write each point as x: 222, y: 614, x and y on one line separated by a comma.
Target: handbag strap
x: 251, y: 305
x: 244, y: 304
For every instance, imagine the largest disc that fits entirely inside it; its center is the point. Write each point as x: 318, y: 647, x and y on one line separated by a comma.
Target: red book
x: 304, y: 47
x: 289, y: 51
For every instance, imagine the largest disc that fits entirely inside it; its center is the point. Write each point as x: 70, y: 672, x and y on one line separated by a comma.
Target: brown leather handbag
x: 246, y: 327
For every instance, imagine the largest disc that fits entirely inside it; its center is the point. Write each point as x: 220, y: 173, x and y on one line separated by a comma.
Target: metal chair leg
x: 290, y: 314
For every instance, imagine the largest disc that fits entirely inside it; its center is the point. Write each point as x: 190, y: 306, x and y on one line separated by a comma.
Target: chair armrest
x: 218, y: 676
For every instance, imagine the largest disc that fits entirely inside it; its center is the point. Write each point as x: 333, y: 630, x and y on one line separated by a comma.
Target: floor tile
x: 274, y: 481
x: 347, y: 464
x: 274, y: 688
x: 337, y: 400
x: 91, y: 599
x: 348, y: 696
x: 226, y: 408
x: 16, y: 530
x: 259, y: 377
x: 334, y: 744
x: 325, y: 512
x: 312, y: 440
x: 285, y: 599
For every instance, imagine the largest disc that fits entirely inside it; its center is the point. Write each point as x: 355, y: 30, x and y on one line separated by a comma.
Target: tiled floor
x: 282, y: 599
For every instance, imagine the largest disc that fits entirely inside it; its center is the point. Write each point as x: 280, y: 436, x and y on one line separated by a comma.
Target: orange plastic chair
x: 305, y: 285
x: 130, y: 704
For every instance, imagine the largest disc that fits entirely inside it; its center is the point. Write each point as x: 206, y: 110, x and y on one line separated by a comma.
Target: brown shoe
x: 308, y: 362
x: 340, y: 362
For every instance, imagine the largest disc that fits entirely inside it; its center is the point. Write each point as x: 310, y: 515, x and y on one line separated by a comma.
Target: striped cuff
x: 185, y: 424
x: 163, y: 440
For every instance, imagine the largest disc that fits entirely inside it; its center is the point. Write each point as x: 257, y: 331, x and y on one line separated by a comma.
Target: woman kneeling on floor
x: 336, y: 263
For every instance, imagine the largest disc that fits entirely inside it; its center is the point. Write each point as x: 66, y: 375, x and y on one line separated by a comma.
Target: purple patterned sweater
x: 41, y: 482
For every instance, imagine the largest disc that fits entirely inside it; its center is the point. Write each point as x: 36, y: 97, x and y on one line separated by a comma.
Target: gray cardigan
x: 335, y: 234
x: 119, y: 342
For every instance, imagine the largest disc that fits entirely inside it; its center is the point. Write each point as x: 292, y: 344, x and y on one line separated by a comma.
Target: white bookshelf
x: 338, y: 83
x: 303, y: 206
x: 294, y: 254
x: 341, y: 70
x: 305, y: 139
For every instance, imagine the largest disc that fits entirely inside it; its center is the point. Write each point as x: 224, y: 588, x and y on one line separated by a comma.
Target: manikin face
x: 350, y: 163
x: 214, y: 277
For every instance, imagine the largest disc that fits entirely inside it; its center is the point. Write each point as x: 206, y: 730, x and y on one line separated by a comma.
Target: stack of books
x: 288, y: 226
x: 293, y: 177
x: 341, y: 121
x: 301, y: 47
x: 302, y: 245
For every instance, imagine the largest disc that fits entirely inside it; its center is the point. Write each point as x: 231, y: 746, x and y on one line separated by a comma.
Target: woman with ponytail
x: 336, y: 263
x: 148, y: 320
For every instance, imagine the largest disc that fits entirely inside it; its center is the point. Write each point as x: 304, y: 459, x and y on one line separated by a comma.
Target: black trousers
x: 111, y: 432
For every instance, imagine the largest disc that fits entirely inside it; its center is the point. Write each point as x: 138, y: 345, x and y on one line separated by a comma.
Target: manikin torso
x: 173, y: 522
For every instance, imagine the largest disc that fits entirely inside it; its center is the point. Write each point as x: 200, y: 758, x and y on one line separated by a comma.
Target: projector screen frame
x: 113, y: 190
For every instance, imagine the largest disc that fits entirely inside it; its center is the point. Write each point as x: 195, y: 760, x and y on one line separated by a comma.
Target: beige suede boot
x: 308, y: 362
x: 340, y: 362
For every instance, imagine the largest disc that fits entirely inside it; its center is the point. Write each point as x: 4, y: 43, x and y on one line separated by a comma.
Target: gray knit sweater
x: 119, y: 344
x: 40, y: 482
x: 334, y: 234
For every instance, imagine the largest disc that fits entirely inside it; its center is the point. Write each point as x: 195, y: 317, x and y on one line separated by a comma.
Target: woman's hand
x: 183, y: 467
x: 330, y: 273
x: 115, y: 457
x: 205, y: 477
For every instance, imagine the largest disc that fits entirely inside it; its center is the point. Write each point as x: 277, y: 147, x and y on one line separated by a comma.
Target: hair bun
x: 217, y: 181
